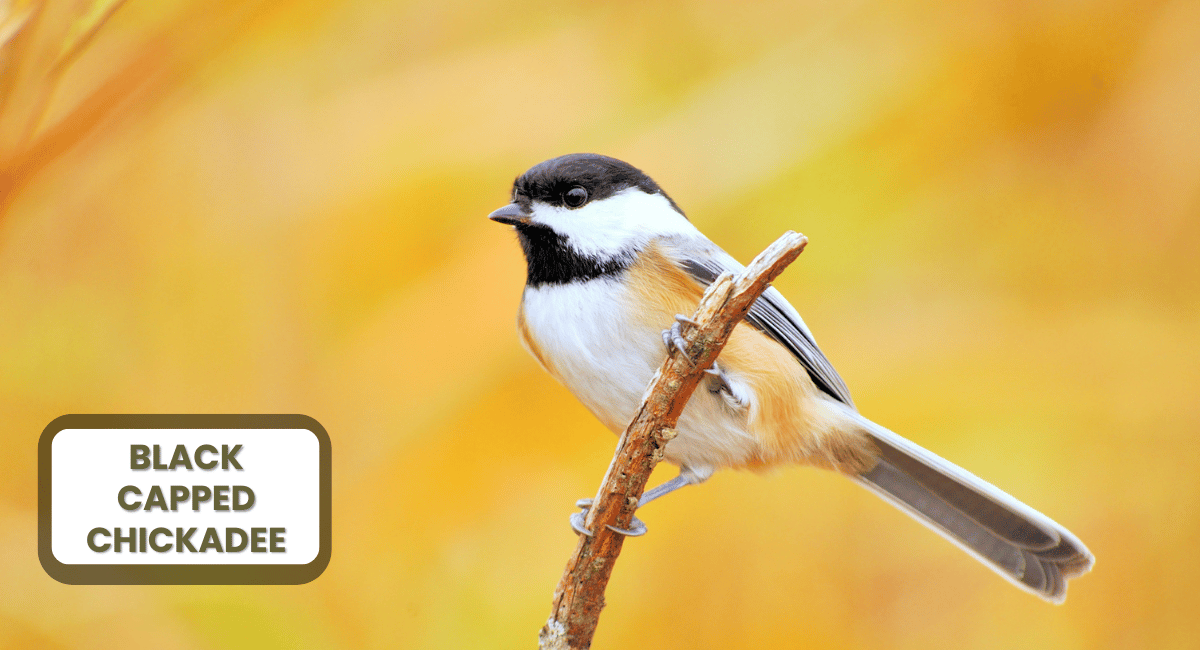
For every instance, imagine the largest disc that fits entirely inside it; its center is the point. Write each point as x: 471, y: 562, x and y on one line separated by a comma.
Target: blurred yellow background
x: 262, y: 207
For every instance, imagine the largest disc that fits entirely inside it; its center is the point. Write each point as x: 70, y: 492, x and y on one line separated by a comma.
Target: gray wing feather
x: 770, y: 314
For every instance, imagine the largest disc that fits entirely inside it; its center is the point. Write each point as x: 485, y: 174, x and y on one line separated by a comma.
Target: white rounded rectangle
x: 91, y: 466
x: 184, y: 499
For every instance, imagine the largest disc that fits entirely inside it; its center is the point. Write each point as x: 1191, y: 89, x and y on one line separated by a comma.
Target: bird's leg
x: 718, y: 384
x: 686, y: 477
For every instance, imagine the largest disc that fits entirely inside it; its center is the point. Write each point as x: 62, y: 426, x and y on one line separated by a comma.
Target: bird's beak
x: 512, y: 214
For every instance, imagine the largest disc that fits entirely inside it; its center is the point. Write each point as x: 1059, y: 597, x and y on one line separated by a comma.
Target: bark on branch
x: 580, y: 594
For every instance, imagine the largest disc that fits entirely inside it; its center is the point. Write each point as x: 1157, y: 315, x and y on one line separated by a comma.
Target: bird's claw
x: 673, y: 337
x: 637, y: 530
x: 684, y: 319
x: 578, y: 519
x: 577, y: 524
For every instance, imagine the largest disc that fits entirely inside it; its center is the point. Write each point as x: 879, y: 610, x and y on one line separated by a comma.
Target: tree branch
x: 580, y: 594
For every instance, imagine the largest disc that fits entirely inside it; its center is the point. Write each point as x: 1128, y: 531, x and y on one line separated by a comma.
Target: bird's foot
x: 578, y: 519
x: 673, y: 336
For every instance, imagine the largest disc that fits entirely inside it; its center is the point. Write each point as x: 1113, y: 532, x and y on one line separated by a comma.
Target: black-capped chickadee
x: 612, y: 260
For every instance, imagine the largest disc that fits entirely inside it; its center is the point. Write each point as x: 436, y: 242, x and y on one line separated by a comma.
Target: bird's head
x: 586, y: 210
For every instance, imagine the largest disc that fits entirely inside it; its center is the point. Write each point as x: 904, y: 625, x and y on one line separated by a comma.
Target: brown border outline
x: 184, y: 574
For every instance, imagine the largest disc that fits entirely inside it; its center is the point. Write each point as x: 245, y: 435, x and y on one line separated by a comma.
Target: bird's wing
x: 770, y: 314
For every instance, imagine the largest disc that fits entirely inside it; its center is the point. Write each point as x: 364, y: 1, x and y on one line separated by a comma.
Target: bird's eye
x: 575, y: 197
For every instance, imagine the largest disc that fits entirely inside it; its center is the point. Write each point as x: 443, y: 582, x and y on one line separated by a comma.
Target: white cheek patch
x: 605, y: 227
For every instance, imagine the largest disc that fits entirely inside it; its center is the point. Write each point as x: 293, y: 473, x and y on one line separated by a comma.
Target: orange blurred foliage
x: 279, y: 207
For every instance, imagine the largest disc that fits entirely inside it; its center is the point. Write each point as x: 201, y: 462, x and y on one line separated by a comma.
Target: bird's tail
x: 1016, y: 541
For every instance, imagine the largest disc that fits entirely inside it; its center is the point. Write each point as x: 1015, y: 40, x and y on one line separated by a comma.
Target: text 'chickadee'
x: 612, y: 259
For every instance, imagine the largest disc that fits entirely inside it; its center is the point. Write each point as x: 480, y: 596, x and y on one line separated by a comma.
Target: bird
x: 613, y: 263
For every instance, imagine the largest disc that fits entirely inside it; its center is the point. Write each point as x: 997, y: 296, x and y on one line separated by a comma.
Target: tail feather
x: 1016, y: 541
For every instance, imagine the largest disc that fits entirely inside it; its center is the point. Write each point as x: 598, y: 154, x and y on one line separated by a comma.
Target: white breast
x: 584, y: 331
